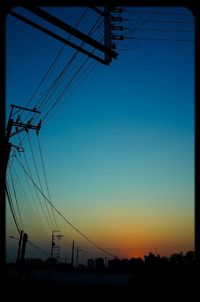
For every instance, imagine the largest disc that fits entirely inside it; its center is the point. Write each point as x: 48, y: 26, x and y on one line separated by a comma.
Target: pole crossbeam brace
x: 26, y: 109
x: 26, y: 126
x: 97, y: 10
x: 75, y: 32
x: 59, y: 38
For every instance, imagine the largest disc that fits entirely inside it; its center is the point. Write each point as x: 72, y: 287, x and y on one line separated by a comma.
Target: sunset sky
x: 118, y: 149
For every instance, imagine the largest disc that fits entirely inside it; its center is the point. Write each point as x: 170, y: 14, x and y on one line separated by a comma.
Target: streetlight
x: 13, y: 237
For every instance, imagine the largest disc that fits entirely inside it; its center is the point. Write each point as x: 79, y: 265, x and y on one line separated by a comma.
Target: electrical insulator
x: 116, y: 18
x: 116, y: 27
x: 114, y: 37
x: 20, y: 149
x: 116, y: 10
x: 39, y: 124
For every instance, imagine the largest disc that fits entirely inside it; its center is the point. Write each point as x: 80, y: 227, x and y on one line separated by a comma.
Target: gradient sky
x: 119, y: 153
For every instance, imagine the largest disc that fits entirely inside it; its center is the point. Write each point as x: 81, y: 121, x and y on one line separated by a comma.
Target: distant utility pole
x: 55, y: 247
x: 72, y: 261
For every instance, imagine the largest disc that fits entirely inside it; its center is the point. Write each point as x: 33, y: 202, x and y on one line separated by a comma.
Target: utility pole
x: 53, y: 244
x: 72, y: 261
x: 19, y: 247
x: 25, y: 238
x: 19, y: 127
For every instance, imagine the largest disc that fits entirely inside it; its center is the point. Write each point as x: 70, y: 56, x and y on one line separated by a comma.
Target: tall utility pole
x: 19, y: 127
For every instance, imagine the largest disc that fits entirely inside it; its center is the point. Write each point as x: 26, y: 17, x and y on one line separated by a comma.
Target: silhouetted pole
x: 25, y: 238
x: 72, y: 261
x: 19, y: 247
x: 52, y: 244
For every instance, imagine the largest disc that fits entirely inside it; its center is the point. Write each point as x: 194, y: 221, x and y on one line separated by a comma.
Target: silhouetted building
x: 114, y: 265
x: 99, y: 263
x: 90, y: 264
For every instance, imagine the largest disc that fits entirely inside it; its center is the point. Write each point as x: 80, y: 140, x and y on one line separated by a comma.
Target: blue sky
x: 119, y: 153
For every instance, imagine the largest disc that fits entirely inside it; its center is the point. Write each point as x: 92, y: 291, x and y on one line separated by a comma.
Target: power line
x: 93, y: 64
x: 45, y: 76
x: 36, y: 217
x: 16, y: 199
x: 36, y: 192
x: 89, y: 240
x: 165, y: 39
x: 77, y: 71
x: 44, y: 171
x: 166, y: 30
x: 12, y: 209
x: 37, y: 247
x: 149, y: 19
x: 58, y: 55
x: 65, y: 88
x: 164, y: 21
x: 50, y: 218
x: 162, y: 13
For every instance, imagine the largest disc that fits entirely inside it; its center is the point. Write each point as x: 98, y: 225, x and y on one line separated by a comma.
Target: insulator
x: 116, y: 27
x: 116, y: 18
x: 117, y: 37
x: 39, y: 124
x: 20, y: 149
x: 116, y: 10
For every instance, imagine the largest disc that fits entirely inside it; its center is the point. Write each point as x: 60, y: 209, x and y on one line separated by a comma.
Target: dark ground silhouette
x: 155, y: 277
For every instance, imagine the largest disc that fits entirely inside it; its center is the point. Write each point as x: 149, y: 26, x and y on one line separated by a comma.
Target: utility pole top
x: 20, y: 125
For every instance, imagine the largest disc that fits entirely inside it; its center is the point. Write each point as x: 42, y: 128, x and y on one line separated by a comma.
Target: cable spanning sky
x: 115, y: 153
